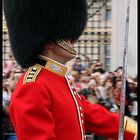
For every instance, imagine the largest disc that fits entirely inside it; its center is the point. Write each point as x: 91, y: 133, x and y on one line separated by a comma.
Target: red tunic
x: 48, y: 108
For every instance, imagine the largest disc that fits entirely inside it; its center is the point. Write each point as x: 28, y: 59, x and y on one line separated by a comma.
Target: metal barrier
x: 12, y: 136
x: 90, y: 137
x: 9, y: 136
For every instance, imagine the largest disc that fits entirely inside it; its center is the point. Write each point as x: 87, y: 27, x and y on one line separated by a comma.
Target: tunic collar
x: 52, y: 65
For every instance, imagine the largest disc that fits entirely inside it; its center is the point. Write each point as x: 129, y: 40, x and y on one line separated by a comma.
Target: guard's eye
x: 73, y: 41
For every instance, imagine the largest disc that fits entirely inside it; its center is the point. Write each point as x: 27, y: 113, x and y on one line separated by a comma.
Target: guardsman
x: 44, y: 104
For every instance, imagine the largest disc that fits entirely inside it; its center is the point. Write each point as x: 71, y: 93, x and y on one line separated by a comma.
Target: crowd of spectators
x: 90, y: 80
x: 104, y: 87
x: 11, y: 73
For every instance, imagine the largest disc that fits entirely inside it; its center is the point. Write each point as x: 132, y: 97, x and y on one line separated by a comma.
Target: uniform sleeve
x: 30, y: 112
x: 100, y: 121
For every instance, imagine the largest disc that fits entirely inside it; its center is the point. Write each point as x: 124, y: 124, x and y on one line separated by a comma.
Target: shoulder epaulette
x: 31, y: 74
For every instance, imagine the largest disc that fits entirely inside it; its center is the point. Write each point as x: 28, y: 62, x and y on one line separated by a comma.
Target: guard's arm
x: 100, y: 121
x: 30, y: 112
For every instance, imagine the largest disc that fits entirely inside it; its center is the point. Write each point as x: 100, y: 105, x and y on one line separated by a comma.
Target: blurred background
x: 97, y: 69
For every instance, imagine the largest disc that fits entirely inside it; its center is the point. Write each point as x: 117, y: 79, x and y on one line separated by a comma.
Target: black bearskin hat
x: 33, y: 23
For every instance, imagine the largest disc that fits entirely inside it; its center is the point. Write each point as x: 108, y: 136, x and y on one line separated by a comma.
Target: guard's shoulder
x: 31, y: 74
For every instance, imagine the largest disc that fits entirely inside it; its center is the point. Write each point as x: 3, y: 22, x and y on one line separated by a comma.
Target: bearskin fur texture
x: 33, y: 23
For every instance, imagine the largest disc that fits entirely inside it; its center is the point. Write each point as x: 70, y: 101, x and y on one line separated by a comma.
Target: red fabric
x: 118, y: 97
x: 45, y: 110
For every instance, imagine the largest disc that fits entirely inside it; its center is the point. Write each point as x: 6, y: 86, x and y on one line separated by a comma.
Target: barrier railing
x: 9, y: 136
x: 12, y: 136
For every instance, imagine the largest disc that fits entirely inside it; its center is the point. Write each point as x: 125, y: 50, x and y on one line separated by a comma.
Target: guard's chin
x: 74, y: 52
x: 63, y: 44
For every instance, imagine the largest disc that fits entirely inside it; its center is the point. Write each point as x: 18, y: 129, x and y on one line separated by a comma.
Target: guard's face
x: 58, y: 53
x: 64, y: 54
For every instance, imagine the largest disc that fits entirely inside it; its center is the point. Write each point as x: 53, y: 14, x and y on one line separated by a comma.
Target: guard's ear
x: 49, y: 46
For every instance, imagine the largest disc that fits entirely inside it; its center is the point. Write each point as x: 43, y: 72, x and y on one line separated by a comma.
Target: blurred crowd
x: 90, y: 80
x: 103, y: 87
x: 11, y: 73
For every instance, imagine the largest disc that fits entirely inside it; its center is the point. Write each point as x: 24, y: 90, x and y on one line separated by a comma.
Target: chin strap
x: 66, y: 46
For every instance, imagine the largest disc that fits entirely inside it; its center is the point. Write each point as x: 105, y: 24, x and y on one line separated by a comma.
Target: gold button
x: 34, y: 68
x: 80, y: 108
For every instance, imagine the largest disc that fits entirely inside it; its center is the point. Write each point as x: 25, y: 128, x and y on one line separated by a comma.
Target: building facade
x: 95, y: 42
x: 118, y: 34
